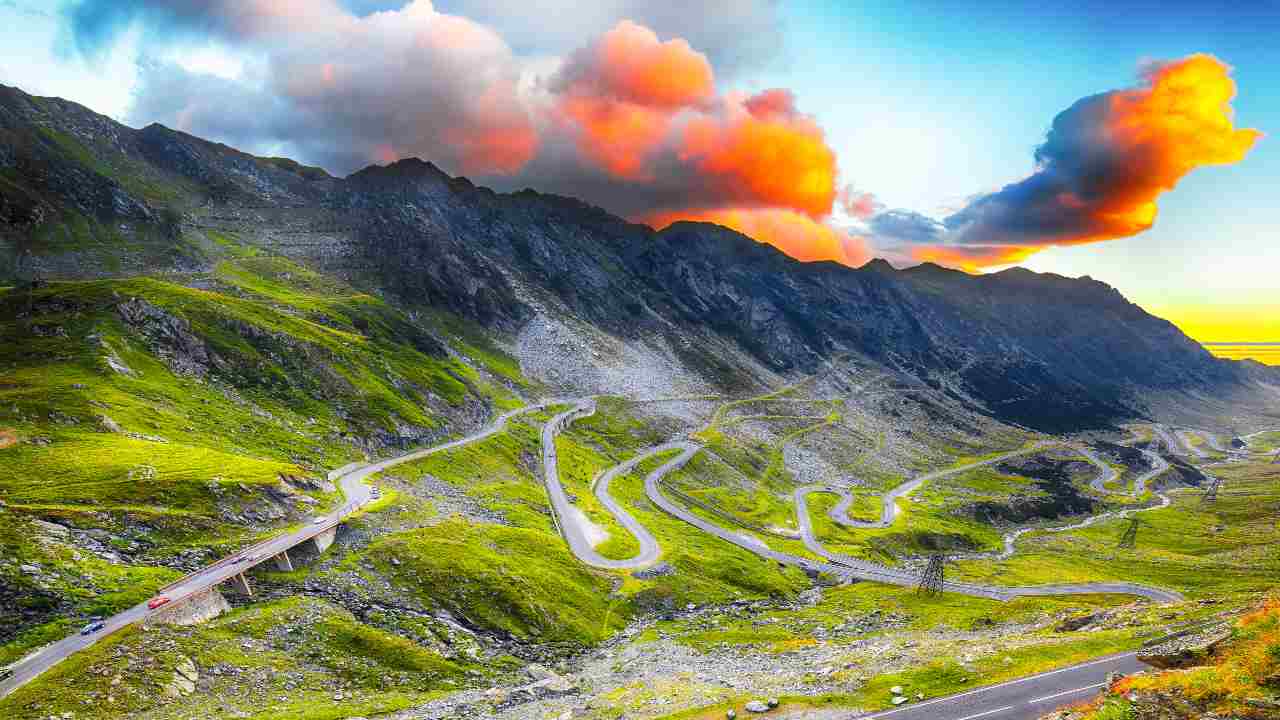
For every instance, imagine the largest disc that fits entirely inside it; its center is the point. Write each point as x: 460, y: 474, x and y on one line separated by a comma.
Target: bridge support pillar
x: 191, y: 610
x: 283, y: 564
x: 241, y: 584
x: 322, y: 541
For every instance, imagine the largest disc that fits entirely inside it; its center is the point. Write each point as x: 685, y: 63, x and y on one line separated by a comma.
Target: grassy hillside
x: 1202, y: 549
x: 151, y: 424
x: 280, y: 659
x: 158, y: 423
x: 1240, y: 679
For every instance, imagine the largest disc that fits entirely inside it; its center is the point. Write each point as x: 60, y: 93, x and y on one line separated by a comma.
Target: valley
x: 394, y: 445
x: 626, y: 527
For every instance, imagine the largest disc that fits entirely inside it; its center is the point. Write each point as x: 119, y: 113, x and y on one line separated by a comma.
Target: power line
x: 932, y: 578
x: 1211, y: 492
x: 1130, y: 537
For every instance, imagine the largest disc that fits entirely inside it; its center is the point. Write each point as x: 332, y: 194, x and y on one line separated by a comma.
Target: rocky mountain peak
x: 85, y: 193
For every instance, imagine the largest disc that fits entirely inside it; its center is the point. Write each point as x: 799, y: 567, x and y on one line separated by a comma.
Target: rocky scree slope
x: 81, y: 194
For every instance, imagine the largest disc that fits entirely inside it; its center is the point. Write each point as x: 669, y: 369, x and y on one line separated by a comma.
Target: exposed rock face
x: 1188, y: 650
x: 1078, y: 622
x: 1039, y: 350
x: 169, y: 336
x: 658, y: 570
x: 1053, y: 477
x: 185, y: 676
x: 195, y: 610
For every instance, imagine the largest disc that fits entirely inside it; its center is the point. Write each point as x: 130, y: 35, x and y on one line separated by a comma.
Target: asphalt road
x: 358, y: 494
x: 1022, y: 699
x: 843, y: 566
x: 649, y: 549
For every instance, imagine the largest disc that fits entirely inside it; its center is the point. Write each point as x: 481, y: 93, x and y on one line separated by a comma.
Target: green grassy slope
x: 167, y: 417
x: 1203, y: 550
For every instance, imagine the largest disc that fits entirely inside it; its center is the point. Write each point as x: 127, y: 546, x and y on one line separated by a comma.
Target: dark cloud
x: 905, y: 226
x: 628, y: 118
x: 94, y: 25
x: 1108, y: 157
x: 734, y: 34
x: 1102, y: 167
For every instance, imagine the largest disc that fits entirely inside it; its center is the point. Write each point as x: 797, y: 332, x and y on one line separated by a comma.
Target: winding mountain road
x: 836, y: 564
x: 571, y: 524
x: 1022, y: 698
x: 354, y: 488
x: 649, y: 549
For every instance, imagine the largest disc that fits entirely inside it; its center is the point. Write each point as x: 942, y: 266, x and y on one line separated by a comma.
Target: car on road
x: 255, y: 557
x: 92, y: 627
x: 319, y: 521
x: 156, y: 602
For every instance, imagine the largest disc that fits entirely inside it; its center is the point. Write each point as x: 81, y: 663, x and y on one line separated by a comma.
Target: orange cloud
x: 773, y: 103
x: 504, y: 143
x: 1108, y: 158
x: 616, y: 135
x: 632, y: 64
x: 771, y: 160
x: 794, y: 233
x: 645, y: 112
x: 972, y: 258
x: 623, y: 91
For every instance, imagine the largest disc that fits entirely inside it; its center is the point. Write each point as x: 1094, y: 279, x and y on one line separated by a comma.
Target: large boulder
x: 1186, y: 650
x: 1077, y: 622
x: 185, y: 676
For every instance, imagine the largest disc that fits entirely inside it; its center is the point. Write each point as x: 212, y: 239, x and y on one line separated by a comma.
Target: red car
x: 156, y: 602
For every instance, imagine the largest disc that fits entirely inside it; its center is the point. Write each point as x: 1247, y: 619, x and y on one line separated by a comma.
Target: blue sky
x: 929, y: 102
x: 925, y: 103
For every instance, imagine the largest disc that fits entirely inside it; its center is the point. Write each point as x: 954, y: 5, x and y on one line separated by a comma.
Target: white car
x: 319, y: 521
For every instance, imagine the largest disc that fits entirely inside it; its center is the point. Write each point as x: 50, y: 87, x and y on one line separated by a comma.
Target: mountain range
x: 82, y: 196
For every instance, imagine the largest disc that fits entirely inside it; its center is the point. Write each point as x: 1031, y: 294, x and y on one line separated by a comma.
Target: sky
x: 1130, y: 142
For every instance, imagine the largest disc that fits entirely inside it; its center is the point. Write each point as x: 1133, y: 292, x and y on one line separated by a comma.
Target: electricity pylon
x: 1211, y: 492
x: 932, y: 578
x: 1130, y: 537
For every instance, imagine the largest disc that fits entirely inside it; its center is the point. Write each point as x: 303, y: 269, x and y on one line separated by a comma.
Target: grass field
x: 1203, y: 550
x: 166, y: 416
x: 284, y: 659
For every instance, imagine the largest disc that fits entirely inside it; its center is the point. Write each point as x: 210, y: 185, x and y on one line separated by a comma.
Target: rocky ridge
x: 1038, y: 350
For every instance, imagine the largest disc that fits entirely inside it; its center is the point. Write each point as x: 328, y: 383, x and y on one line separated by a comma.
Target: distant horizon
x: 1267, y: 353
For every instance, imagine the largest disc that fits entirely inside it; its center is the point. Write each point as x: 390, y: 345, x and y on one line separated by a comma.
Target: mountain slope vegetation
x: 85, y: 195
